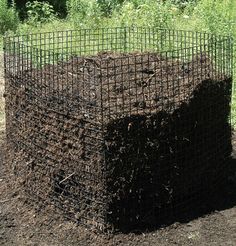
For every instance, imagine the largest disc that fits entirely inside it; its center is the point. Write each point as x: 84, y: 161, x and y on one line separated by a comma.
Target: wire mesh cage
x: 118, y: 127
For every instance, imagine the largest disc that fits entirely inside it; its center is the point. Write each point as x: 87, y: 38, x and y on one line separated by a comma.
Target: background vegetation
x: 204, y: 15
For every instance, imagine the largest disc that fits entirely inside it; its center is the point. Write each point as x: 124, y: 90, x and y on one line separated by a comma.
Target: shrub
x: 83, y: 13
x: 77, y: 9
x: 8, y: 17
x: 39, y: 12
x: 58, y: 5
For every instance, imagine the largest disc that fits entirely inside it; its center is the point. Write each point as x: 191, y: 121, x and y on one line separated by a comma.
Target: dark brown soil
x: 127, y: 140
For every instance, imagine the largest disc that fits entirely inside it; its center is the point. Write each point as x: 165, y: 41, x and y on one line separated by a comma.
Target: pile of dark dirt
x: 22, y: 223
x: 120, y: 139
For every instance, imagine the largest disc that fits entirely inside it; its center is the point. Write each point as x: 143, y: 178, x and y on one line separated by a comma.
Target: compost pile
x: 119, y: 138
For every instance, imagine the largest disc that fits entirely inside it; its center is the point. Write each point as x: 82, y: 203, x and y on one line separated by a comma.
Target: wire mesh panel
x: 118, y: 127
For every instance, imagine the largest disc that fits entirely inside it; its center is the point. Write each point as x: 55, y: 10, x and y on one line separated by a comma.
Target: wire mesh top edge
x: 175, y: 31
x: 52, y: 47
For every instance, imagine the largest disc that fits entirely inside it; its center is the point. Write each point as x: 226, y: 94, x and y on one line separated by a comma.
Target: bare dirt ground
x: 24, y: 224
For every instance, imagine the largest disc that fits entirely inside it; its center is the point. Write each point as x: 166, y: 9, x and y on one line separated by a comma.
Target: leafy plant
x: 39, y: 12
